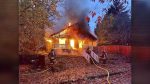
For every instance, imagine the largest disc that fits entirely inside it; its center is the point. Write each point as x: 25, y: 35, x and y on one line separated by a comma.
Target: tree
x: 121, y: 27
x: 103, y: 29
x: 120, y: 32
x: 115, y: 26
x: 117, y: 7
x: 34, y: 15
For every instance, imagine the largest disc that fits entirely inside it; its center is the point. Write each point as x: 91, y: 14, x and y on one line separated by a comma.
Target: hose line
x: 102, y: 69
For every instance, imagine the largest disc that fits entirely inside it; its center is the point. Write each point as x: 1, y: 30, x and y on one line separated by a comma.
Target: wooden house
x: 72, y: 40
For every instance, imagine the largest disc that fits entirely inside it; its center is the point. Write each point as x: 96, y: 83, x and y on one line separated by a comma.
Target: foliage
x: 122, y: 27
x: 34, y: 15
x: 115, y: 26
x: 117, y: 7
x: 104, y: 28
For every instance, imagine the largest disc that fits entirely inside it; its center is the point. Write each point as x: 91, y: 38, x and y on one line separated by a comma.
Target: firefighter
x: 52, y: 57
x: 88, y: 50
x: 103, y: 57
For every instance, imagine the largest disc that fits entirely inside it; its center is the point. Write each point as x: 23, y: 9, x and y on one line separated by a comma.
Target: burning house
x: 76, y: 36
x: 72, y: 39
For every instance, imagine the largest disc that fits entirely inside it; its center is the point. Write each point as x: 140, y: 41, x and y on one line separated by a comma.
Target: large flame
x: 62, y: 40
x: 72, y: 43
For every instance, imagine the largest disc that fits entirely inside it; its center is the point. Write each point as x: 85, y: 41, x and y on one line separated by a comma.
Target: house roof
x: 89, y: 33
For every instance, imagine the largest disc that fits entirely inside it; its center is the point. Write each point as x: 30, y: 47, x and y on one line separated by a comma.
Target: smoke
x: 74, y: 11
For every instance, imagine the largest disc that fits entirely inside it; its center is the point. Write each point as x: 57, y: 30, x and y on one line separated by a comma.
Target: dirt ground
x: 75, y: 70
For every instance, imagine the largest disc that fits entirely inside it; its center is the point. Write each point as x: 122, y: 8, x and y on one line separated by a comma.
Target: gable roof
x: 89, y: 33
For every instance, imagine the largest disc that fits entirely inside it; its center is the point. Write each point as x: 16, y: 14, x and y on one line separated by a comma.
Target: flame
x: 62, y: 40
x: 72, y: 43
x: 48, y: 40
x: 80, y: 44
x: 69, y: 24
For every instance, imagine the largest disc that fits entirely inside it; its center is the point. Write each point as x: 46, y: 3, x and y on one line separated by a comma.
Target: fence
x: 117, y: 49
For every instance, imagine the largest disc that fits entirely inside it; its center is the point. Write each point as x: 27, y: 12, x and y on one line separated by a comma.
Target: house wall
x: 71, y: 34
x: 67, y: 50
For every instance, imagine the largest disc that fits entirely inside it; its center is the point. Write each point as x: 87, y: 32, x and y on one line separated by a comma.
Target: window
x: 62, y: 40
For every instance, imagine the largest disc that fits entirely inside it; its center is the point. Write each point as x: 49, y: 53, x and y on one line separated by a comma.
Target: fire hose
x: 104, y: 70
x: 92, y: 61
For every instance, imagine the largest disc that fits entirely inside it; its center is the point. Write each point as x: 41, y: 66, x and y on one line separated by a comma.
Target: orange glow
x: 72, y: 43
x: 62, y: 40
x: 69, y: 24
x: 48, y: 40
x: 80, y: 44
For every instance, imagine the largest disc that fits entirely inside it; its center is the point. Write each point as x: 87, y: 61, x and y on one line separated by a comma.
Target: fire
x: 80, y: 44
x: 72, y: 43
x: 62, y: 40
x: 69, y: 24
x: 48, y: 40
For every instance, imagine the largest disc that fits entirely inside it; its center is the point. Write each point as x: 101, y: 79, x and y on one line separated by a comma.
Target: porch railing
x: 62, y: 46
x: 93, y: 55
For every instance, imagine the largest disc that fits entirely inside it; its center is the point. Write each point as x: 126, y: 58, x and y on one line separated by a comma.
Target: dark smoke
x: 75, y: 11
